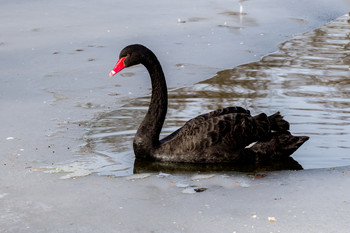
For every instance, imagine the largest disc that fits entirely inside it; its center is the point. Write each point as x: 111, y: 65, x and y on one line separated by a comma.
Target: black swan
x: 228, y: 135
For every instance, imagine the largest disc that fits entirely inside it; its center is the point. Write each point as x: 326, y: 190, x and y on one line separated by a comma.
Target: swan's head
x: 131, y: 55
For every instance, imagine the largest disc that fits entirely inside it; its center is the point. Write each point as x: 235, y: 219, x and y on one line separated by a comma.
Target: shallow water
x: 307, y: 80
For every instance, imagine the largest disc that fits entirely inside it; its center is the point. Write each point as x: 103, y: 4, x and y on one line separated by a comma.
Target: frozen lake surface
x: 65, y: 141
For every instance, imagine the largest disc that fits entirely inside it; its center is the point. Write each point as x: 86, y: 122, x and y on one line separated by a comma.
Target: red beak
x: 118, y: 67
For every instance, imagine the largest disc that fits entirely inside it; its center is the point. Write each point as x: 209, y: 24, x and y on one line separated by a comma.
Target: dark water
x: 308, y: 80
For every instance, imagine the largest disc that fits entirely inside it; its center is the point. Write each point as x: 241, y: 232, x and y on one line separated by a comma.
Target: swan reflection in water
x: 146, y: 166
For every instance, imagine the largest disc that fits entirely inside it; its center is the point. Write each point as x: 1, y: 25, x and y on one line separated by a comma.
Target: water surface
x: 307, y: 79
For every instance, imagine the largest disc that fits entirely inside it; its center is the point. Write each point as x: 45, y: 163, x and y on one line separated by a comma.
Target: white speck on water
x: 162, y: 175
x: 189, y: 190
x: 138, y: 176
x: 240, y: 9
x: 200, y: 177
x: 2, y: 195
x: 10, y: 138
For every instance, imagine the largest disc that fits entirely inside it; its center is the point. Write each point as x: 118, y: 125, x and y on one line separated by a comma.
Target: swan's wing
x: 232, y: 130
x: 208, y: 138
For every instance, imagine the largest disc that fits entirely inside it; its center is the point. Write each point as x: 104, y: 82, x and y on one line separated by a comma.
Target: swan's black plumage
x: 220, y: 136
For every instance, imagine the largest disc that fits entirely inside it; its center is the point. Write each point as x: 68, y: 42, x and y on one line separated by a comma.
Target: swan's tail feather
x: 286, y: 144
x: 277, y: 123
x: 280, y: 146
x: 276, y: 145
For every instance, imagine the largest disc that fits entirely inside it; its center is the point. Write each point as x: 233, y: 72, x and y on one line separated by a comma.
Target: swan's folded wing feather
x: 203, y: 136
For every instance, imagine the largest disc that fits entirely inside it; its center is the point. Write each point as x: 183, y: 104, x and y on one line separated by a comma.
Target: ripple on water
x: 307, y: 79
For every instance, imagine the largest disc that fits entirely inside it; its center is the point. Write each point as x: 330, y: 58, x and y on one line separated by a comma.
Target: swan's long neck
x: 147, y: 136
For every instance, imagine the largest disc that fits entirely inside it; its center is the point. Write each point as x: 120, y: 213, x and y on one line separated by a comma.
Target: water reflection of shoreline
x: 307, y: 79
